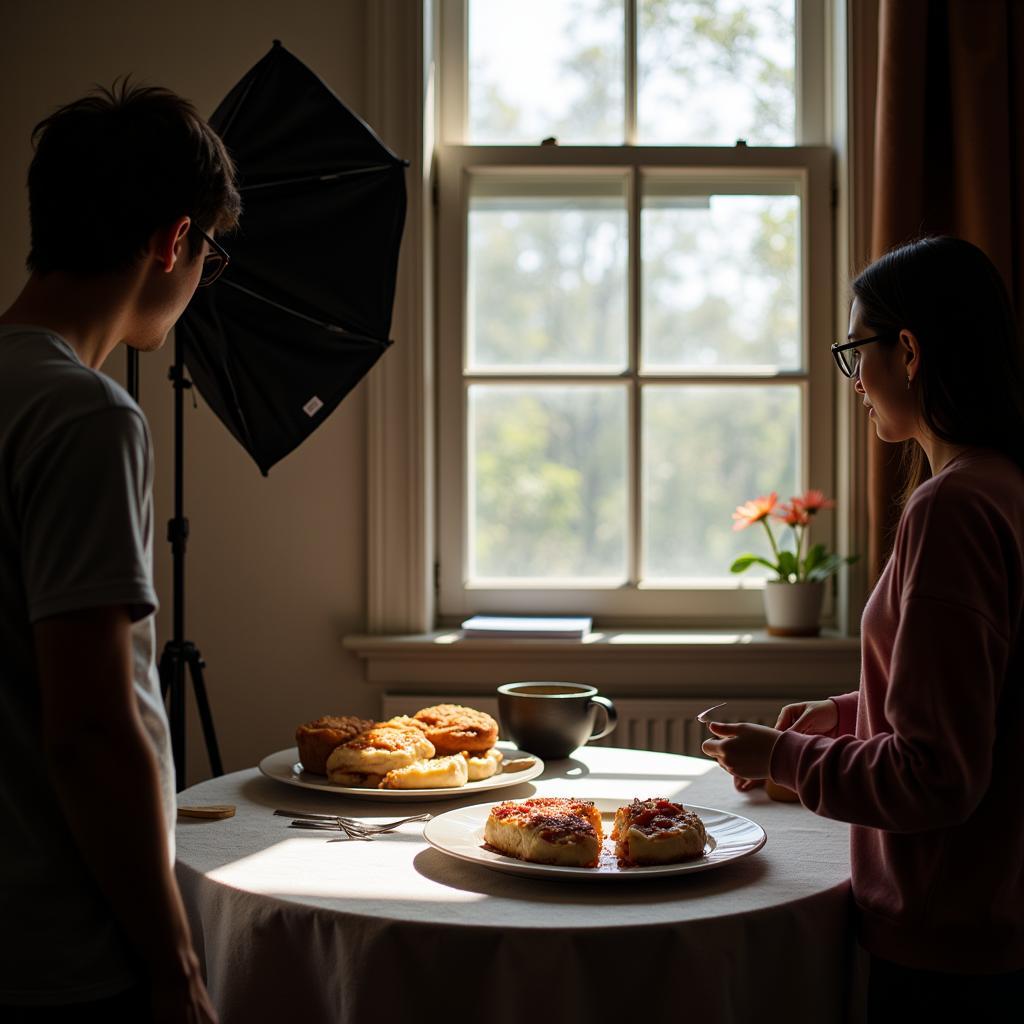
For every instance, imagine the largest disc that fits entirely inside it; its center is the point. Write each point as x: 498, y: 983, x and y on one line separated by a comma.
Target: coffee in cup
x: 552, y: 720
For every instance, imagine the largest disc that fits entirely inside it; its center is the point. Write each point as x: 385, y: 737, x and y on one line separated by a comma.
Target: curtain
x: 949, y: 159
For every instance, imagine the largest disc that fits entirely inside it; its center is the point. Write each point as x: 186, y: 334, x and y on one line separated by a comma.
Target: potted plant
x: 793, y: 599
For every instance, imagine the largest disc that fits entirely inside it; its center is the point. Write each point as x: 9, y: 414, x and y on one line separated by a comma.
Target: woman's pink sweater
x: 927, y: 760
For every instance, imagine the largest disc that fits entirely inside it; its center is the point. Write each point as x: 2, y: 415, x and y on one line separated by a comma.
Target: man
x: 125, y: 189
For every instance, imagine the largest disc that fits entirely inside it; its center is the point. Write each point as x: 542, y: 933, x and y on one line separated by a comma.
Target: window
x: 634, y: 299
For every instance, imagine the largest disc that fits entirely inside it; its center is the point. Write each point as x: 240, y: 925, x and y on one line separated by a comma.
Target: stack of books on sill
x: 517, y: 627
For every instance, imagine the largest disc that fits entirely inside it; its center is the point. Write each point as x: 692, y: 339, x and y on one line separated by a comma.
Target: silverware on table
x: 306, y: 814
x: 327, y: 826
x: 352, y: 827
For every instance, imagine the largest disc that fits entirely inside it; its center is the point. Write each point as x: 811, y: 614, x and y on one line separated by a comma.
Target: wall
x: 276, y: 566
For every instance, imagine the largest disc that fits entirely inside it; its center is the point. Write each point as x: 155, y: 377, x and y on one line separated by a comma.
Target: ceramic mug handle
x: 611, y: 717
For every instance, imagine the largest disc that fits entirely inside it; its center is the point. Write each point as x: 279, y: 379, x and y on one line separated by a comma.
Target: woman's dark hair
x: 970, y: 388
x: 117, y: 165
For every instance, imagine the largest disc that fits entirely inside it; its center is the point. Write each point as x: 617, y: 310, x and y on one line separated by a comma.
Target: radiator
x: 656, y: 724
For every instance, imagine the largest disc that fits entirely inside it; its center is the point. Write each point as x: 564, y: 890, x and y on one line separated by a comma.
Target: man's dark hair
x: 117, y: 165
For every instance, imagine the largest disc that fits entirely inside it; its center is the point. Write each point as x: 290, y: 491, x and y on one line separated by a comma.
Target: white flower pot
x: 793, y: 609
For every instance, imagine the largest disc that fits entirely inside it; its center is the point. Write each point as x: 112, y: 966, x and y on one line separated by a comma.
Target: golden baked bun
x: 316, y: 740
x: 433, y: 773
x: 360, y: 780
x: 482, y: 766
x: 547, y: 830
x: 378, y: 751
x: 402, y: 722
x: 657, y: 831
x: 453, y: 728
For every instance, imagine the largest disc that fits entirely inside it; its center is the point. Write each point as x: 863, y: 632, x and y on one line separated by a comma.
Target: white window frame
x: 727, y: 603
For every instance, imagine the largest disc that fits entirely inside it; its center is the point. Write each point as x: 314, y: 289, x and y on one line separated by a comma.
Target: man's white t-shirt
x: 76, y: 532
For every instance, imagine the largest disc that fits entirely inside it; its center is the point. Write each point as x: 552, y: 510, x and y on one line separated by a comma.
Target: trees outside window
x: 629, y: 316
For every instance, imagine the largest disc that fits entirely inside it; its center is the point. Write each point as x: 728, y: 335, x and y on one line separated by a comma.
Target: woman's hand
x: 746, y: 785
x: 744, y: 749
x: 809, y: 716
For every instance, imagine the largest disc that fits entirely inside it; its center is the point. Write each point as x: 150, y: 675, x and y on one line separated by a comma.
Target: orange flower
x: 814, y: 501
x: 751, y: 512
x: 794, y: 513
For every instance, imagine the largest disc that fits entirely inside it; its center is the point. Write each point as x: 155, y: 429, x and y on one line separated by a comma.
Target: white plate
x: 284, y: 766
x: 460, y: 833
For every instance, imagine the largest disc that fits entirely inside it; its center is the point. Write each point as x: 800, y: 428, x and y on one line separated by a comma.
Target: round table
x: 295, y: 928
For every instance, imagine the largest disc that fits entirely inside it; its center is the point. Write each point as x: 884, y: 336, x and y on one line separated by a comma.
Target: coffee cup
x: 552, y: 719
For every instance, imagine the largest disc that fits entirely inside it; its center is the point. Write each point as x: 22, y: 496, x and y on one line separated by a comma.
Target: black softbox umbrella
x: 304, y: 309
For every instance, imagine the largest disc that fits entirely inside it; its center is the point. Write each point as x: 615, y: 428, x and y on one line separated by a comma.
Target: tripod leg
x: 196, y: 664
x: 172, y: 681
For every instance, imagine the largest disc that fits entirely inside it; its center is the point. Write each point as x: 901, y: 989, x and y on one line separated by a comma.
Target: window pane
x: 705, y: 451
x: 720, y: 282
x: 539, y: 68
x: 547, y: 482
x: 714, y: 71
x: 547, y: 280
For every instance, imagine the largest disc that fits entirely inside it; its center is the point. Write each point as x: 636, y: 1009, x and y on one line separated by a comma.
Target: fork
x: 352, y: 828
x: 348, y: 824
x: 326, y: 826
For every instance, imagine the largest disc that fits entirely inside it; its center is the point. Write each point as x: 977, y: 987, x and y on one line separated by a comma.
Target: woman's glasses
x: 847, y: 354
x: 215, y: 262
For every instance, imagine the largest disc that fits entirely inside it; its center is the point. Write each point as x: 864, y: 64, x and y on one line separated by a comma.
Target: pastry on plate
x: 432, y: 773
x: 359, y: 780
x: 316, y: 740
x: 657, y: 831
x: 453, y: 728
x: 482, y: 766
x: 403, y: 722
x: 547, y: 830
x: 376, y: 752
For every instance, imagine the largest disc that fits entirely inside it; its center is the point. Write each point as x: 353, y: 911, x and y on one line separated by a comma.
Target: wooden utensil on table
x: 211, y: 811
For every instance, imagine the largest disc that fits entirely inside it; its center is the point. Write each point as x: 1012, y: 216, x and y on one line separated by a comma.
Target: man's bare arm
x: 103, y: 769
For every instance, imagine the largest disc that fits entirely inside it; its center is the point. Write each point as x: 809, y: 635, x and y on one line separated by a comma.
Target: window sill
x: 646, y: 663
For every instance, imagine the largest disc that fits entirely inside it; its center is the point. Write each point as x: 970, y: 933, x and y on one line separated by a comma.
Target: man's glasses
x: 215, y: 262
x: 847, y: 354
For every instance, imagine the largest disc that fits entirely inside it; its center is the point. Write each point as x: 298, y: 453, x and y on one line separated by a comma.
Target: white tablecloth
x: 295, y: 928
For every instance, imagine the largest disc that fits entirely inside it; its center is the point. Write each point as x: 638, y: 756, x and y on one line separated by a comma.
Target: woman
x: 926, y: 760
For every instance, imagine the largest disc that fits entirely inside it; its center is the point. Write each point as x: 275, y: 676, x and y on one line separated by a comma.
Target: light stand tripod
x: 179, y: 653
